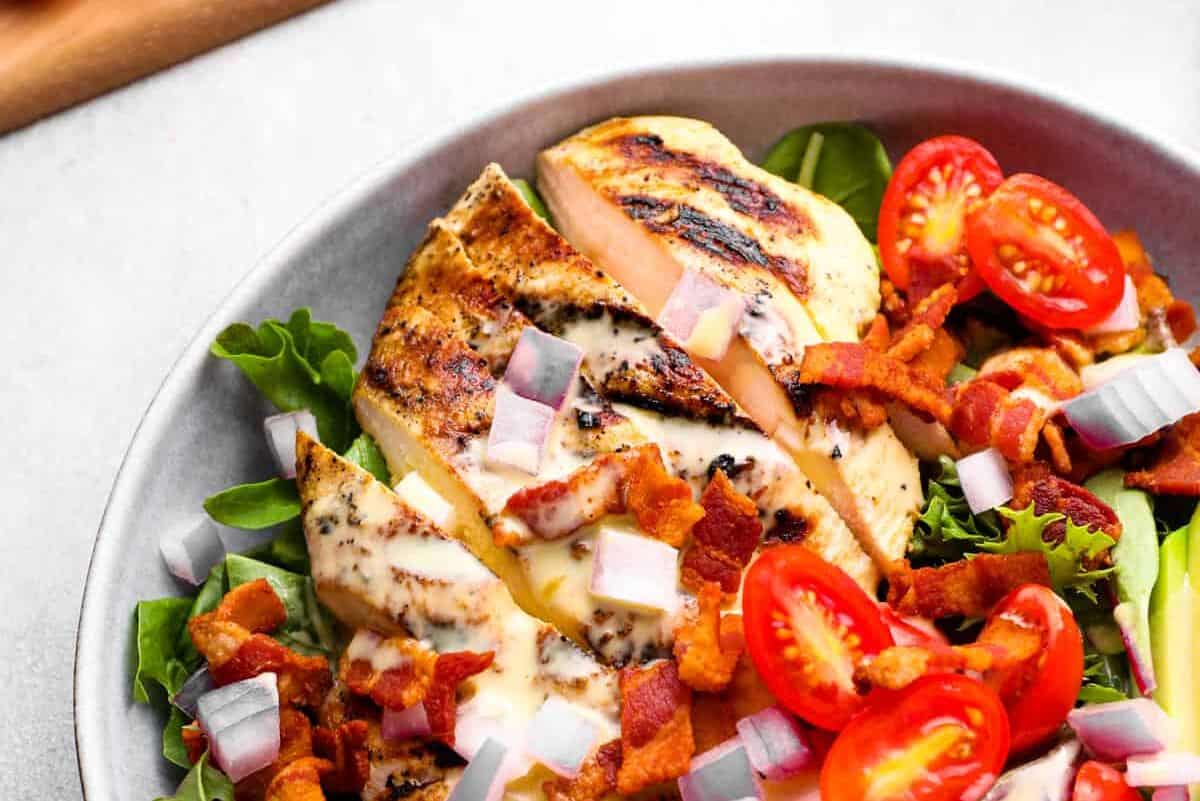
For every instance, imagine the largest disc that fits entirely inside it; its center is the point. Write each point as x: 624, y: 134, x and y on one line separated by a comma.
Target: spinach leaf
x: 206, y: 600
x: 843, y: 161
x: 532, y: 198
x: 365, y: 453
x: 301, y: 364
x: 158, y: 624
x: 173, y: 749
x: 255, y: 506
x: 306, y: 628
x: 203, y: 783
x: 288, y: 549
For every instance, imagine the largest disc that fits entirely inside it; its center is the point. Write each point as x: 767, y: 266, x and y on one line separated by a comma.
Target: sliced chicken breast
x: 649, y: 198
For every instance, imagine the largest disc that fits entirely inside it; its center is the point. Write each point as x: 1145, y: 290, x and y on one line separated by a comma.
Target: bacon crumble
x: 656, y: 728
x: 970, y: 587
x: 723, y: 540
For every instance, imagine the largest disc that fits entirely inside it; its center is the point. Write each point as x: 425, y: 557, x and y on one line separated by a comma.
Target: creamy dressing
x: 609, y: 345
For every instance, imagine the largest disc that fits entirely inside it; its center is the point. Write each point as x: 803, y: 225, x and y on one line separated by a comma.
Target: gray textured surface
x: 124, y: 222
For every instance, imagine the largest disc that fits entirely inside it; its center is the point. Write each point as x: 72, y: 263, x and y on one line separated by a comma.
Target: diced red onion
x: 723, y: 773
x: 1137, y: 648
x: 702, y: 315
x: 191, y: 547
x: 1046, y: 779
x: 416, y: 492
x: 281, y: 437
x: 1177, y: 792
x: 911, y: 629
x: 196, y: 685
x: 1154, y: 393
x: 634, y: 570
x: 520, y: 430
x: 543, y: 367
x: 928, y: 439
x: 1164, y: 769
x: 405, y: 724
x: 241, y: 721
x: 1114, y: 731
x: 775, y: 744
x: 485, y: 776
x: 986, y: 480
x: 1126, y: 317
x: 1093, y: 375
x: 560, y: 737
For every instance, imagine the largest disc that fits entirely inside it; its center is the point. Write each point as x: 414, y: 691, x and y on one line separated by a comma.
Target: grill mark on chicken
x: 744, y: 195
x: 711, y: 236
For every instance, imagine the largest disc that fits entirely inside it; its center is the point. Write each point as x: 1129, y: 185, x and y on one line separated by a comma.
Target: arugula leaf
x: 843, y: 161
x: 946, y: 530
x: 365, y: 453
x: 301, y: 364
x: 255, y: 506
x: 306, y: 628
x: 532, y: 198
x: 203, y: 783
x: 1065, y: 559
x: 158, y: 625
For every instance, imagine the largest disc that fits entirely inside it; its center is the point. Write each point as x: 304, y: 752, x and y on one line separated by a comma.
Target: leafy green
x: 843, y: 161
x: 255, y: 506
x: 959, y: 374
x: 1105, y: 678
x: 287, y: 549
x: 173, y: 749
x: 532, y: 198
x: 300, y: 364
x: 946, y: 529
x: 203, y: 783
x: 1066, y: 559
x: 306, y: 629
x: 206, y: 600
x: 365, y: 453
x: 157, y: 633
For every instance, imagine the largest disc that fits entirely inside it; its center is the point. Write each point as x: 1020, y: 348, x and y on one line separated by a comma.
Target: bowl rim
x: 89, y: 747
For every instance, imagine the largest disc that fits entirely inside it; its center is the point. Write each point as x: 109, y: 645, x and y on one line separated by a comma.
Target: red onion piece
x: 634, y: 570
x: 723, y: 773
x: 1115, y: 731
x: 281, y: 437
x: 775, y: 744
x: 701, y: 315
x: 560, y: 737
x: 1155, y: 392
x: 485, y: 776
x: 196, y: 685
x: 1164, y: 769
x: 1141, y: 662
x: 241, y: 721
x: 1125, y: 317
x: 986, y: 480
x: 1046, y: 779
x: 912, y: 629
x: 1177, y: 792
x: 543, y: 367
x: 191, y: 548
x: 1093, y: 375
x: 405, y: 724
x: 520, y: 430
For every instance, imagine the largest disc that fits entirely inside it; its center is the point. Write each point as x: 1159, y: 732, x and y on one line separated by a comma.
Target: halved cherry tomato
x: 807, y: 626
x: 1038, y: 691
x: 1040, y: 249
x: 942, y: 738
x: 922, y: 221
x: 1096, y: 781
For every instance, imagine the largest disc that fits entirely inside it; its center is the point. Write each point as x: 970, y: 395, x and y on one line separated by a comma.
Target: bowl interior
x: 202, y: 432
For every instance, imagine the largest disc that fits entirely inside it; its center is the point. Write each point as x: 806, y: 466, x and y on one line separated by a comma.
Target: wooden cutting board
x: 56, y: 53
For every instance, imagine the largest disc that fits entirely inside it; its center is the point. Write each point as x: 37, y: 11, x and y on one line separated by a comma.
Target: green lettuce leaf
x: 173, y: 748
x: 1065, y: 559
x: 1105, y: 678
x: 158, y: 624
x: 946, y: 530
x: 300, y: 364
x: 203, y: 783
x: 365, y: 453
x: 306, y: 629
x: 255, y: 506
x: 531, y: 197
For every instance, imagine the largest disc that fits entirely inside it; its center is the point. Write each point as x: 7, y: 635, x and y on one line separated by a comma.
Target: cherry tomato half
x: 942, y: 738
x: 1038, y: 691
x: 1040, y: 249
x: 807, y: 627
x: 1096, y: 781
x: 922, y: 221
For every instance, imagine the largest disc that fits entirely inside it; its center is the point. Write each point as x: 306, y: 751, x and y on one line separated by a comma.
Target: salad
x: 684, y: 477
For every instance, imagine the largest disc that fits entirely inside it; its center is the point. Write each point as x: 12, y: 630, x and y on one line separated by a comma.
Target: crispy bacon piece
x: 397, y: 687
x: 1040, y: 369
x: 299, y: 781
x: 852, y: 365
x: 254, y: 606
x: 1036, y: 484
x: 986, y: 414
x: 441, y: 700
x: 656, y: 726
x: 635, y: 481
x: 597, y: 777
x: 1056, y: 443
x: 1176, y: 467
x: 346, y: 750
x: 969, y: 588
x: 713, y: 720
x: 939, y: 358
x: 708, y: 646
x: 295, y: 742
x: 303, y: 680
x: 723, y: 540
x: 926, y: 319
x: 1154, y: 296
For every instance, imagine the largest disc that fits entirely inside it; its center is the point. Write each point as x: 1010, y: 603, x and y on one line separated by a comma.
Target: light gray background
x: 125, y: 221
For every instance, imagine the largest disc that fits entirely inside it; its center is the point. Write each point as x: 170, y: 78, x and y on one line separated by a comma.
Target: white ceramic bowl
x: 202, y: 431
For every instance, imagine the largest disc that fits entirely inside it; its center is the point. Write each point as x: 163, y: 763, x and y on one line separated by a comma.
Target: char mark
x: 711, y: 236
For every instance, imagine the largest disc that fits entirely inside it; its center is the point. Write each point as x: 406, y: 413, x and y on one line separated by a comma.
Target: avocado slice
x: 1174, y: 615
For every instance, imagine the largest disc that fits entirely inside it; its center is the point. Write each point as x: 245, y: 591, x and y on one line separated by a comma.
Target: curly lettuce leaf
x: 300, y: 364
x: 946, y: 530
x: 203, y: 783
x: 1066, y: 559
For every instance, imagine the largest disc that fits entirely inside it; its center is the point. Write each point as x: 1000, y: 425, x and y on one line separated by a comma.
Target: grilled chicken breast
x: 649, y: 198
x: 380, y: 564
